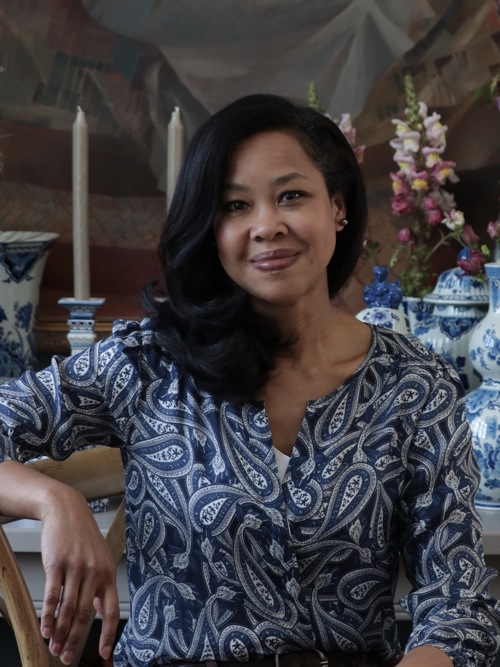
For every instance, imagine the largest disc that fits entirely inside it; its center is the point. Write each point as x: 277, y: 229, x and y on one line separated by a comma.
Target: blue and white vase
x: 483, y: 404
x: 459, y: 302
x: 22, y: 261
x: 383, y: 300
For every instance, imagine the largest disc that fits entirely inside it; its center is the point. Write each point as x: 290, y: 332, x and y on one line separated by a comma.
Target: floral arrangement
x: 420, y: 196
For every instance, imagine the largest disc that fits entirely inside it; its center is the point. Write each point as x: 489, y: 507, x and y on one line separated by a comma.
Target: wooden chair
x: 97, y: 473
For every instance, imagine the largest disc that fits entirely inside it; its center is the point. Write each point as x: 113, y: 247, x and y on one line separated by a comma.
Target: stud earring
x: 344, y: 222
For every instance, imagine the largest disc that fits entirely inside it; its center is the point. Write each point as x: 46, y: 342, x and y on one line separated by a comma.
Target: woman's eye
x: 234, y: 206
x: 291, y: 196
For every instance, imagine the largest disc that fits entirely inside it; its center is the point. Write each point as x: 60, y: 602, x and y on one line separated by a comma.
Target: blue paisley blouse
x: 227, y: 563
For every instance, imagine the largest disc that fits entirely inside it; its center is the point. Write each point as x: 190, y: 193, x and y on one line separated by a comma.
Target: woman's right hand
x: 80, y: 574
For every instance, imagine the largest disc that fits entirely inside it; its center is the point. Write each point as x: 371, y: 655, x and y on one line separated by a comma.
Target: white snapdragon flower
x: 454, y: 220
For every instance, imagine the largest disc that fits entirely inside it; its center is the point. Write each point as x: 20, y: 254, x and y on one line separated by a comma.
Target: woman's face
x: 276, y: 227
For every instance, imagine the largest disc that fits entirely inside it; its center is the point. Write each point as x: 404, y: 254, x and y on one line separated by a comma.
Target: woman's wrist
x: 57, y: 496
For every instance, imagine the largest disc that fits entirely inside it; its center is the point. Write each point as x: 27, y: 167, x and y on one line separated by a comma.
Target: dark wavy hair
x: 206, y: 320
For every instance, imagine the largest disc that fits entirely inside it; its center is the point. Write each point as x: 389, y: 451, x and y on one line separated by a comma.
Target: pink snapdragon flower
x: 429, y: 203
x: 400, y: 185
x: 469, y: 235
x: 435, y: 217
x: 344, y: 123
x: 404, y: 236
x: 405, y: 162
x: 432, y: 155
x: 420, y: 181
x: 493, y: 230
x: 472, y: 262
x: 434, y: 130
x: 444, y: 171
x: 349, y: 131
x: 434, y: 212
x: 401, y: 205
x: 407, y: 140
x: 423, y: 111
x: 347, y: 128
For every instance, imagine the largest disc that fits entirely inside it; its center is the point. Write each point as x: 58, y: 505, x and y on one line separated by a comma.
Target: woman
x: 279, y: 454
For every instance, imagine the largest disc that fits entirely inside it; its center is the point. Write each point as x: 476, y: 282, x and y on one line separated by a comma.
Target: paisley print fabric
x: 227, y: 563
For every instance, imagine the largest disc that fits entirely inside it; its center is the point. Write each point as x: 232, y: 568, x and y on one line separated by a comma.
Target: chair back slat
x: 19, y: 610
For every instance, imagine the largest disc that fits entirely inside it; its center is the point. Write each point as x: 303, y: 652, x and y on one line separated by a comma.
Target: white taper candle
x: 175, y: 151
x: 81, y: 266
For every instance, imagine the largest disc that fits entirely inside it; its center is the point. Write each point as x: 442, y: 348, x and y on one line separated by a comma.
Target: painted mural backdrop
x: 127, y: 63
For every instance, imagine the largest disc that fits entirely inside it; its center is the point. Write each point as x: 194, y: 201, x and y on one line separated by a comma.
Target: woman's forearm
x: 26, y: 493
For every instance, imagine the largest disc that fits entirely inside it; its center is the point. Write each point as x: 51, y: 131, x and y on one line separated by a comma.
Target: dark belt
x: 310, y: 658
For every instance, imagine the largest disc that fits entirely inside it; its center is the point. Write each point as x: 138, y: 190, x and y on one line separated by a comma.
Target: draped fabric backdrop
x: 127, y: 63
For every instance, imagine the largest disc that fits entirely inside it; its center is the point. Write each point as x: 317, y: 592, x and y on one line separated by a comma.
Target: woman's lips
x: 275, y: 260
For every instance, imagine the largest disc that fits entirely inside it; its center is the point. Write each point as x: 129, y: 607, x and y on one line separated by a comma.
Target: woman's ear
x: 339, y: 211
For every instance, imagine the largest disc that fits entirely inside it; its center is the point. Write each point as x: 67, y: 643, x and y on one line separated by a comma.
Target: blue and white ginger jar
x: 483, y: 404
x: 459, y: 302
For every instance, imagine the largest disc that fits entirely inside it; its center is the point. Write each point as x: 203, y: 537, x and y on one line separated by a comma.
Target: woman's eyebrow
x: 282, y: 180
x: 279, y: 180
x: 237, y: 187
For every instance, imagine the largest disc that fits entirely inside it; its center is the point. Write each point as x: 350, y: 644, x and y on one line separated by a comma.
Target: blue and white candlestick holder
x: 80, y: 336
x: 81, y: 322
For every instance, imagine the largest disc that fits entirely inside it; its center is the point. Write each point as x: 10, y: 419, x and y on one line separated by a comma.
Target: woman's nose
x: 267, y: 225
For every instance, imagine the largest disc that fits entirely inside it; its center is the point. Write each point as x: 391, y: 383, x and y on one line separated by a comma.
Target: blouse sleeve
x: 77, y: 401
x: 442, y: 535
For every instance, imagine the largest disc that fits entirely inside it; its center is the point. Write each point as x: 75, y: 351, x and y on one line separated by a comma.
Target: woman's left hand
x: 426, y: 656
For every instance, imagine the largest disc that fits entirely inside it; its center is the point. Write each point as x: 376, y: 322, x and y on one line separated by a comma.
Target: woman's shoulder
x: 135, y: 333
x: 136, y: 342
x: 408, y: 353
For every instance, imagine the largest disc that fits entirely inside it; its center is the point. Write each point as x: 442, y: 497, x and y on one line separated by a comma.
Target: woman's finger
x: 64, y: 637
x: 51, y: 597
x: 110, y: 612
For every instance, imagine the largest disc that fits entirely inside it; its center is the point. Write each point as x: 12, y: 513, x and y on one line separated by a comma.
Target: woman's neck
x: 314, y: 331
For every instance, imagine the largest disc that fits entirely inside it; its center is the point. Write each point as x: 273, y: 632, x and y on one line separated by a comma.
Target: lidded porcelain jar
x: 483, y: 404
x: 459, y: 303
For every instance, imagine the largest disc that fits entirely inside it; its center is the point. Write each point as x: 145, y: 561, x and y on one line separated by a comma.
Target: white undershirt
x: 282, y: 461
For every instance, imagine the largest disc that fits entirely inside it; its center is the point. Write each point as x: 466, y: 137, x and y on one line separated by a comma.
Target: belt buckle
x: 323, y: 660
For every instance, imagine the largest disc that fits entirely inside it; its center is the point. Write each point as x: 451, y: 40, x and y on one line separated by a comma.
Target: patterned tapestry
x: 128, y: 63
